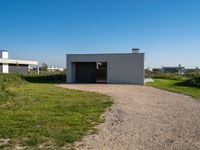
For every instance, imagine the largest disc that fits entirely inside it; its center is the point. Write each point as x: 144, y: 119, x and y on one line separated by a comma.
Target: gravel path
x: 143, y: 117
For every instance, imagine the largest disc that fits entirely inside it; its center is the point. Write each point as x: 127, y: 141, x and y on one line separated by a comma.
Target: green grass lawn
x: 38, y: 114
x: 170, y: 85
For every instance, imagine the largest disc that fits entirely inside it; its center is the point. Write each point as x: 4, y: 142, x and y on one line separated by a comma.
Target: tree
x: 44, y: 67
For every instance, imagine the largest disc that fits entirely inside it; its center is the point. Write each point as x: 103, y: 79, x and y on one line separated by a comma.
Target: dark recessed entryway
x: 86, y: 72
x: 101, y: 72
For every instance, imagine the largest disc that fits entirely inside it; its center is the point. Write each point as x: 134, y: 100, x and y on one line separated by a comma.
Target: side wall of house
x: 18, y: 68
x: 122, y: 68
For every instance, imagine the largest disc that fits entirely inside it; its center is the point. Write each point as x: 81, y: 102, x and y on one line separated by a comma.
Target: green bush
x: 193, y: 81
x: 190, y: 79
x: 6, y: 82
x: 160, y: 75
x: 192, y: 72
x: 46, y: 78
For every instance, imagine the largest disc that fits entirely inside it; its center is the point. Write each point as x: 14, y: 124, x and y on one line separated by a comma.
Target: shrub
x: 6, y: 82
x: 160, y: 75
x: 46, y: 78
x: 192, y: 81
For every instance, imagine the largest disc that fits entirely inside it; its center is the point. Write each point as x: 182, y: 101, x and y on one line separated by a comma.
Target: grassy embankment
x: 188, y: 84
x: 35, y: 114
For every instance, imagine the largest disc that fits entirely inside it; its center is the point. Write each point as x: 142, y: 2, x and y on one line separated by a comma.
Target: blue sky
x: 168, y: 31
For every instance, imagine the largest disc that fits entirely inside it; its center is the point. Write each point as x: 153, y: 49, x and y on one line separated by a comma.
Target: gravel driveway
x: 144, y: 117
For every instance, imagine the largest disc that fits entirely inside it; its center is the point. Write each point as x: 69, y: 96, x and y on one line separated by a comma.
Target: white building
x: 54, y: 68
x: 14, y: 65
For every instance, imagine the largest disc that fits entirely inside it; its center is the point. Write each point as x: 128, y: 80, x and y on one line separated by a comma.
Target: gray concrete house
x: 13, y: 65
x: 127, y: 68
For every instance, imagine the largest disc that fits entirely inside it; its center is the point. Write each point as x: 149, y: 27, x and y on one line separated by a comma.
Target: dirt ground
x: 144, y: 117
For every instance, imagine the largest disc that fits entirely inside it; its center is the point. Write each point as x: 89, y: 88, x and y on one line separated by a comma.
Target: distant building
x: 157, y: 69
x: 13, y: 65
x: 53, y: 68
x: 178, y: 69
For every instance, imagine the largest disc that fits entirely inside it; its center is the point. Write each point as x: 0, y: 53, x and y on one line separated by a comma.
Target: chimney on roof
x: 135, y: 50
x: 4, y: 54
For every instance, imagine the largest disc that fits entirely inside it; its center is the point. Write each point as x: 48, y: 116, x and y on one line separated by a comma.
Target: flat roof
x: 107, y: 54
x: 15, y: 61
x: 172, y: 67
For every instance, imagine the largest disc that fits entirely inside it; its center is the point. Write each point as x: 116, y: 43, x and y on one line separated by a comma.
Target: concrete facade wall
x: 18, y: 68
x: 121, y: 68
x: 5, y: 68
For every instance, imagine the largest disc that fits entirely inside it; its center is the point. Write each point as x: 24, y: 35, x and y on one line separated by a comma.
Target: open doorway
x: 101, y: 72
